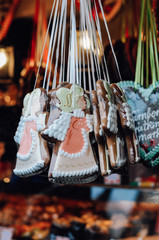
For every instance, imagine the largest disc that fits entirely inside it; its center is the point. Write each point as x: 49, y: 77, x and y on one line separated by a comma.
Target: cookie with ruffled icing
x: 107, y: 107
x: 127, y: 123
x: 33, y: 154
x: 73, y: 159
x: 100, y: 138
x: 109, y: 125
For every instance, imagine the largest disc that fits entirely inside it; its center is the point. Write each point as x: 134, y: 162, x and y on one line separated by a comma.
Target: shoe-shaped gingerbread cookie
x: 73, y: 159
x: 109, y: 125
x: 127, y: 124
x: 104, y: 160
x: 33, y: 154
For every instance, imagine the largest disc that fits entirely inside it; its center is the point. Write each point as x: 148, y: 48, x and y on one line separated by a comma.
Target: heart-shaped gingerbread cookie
x: 144, y: 104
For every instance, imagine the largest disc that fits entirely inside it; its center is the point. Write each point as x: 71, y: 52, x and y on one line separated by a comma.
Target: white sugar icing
x: 20, y: 129
x: 82, y: 152
x: 121, y: 157
x: 30, y: 170
x: 90, y: 122
x: 112, y: 118
x: 130, y: 121
x: 78, y: 113
x: 59, y: 128
x: 40, y: 121
x: 77, y: 173
x: 32, y: 148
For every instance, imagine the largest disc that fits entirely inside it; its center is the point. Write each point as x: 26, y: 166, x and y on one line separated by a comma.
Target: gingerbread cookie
x: 74, y: 160
x: 109, y: 125
x: 33, y: 154
x: 107, y: 107
x: 127, y: 123
x: 100, y: 138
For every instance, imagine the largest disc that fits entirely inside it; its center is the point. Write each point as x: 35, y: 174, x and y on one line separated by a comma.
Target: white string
x: 95, y: 41
x: 50, y: 45
x: 106, y: 77
x: 72, y: 48
x: 47, y: 32
x: 63, y: 7
x: 61, y: 77
x: 83, y: 55
x: 52, y: 53
x: 72, y: 55
x: 90, y: 30
x: 84, y: 31
x: 80, y: 68
x: 106, y: 26
x: 68, y: 60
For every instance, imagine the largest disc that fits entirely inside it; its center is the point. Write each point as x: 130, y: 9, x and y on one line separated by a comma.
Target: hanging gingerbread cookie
x: 104, y: 160
x: 127, y: 124
x: 33, y: 154
x: 74, y: 160
x: 144, y: 106
x: 109, y: 125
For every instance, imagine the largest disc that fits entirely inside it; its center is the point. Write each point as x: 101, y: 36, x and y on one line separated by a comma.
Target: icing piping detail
x: 89, y: 119
x: 56, y: 174
x: 121, y: 158
x: 82, y: 152
x: 60, y: 127
x: 130, y: 121
x: 30, y: 170
x: 112, y: 118
x: 32, y: 148
x: 40, y: 121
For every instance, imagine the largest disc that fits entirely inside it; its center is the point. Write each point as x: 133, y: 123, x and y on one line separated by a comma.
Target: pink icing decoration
x: 74, y: 141
x: 26, y: 140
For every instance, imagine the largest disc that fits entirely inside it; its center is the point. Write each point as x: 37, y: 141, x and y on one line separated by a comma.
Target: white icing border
x: 21, y: 126
x: 120, y: 161
x: 130, y: 121
x: 112, y: 118
x: 78, y: 113
x: 37, y: 167
x: 40, y: 122
x: 82, y: 152
x: 59, y: 128
x: 89, y: 119
x: 56, y: 174
x: 32, y: 148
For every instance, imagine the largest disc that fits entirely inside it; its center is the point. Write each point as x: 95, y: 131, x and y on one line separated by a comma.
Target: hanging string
x: 63, y: 44
x: 63, y: 7
x: 138, y: 62
x: 51, y: 40
x: 47, y: 32
x: 92, y: 48
x: 85, y: 36
x: 110, y: 41
x: 106, y: 76
x: 96, y: 42
x: 52, y: 52
x: 81, y: 42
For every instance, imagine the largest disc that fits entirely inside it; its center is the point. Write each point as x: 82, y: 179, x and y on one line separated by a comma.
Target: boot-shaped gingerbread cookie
x: 33, y: 154
x: 127, y: 124
x: 109, y: 125
x: 73, y: 158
